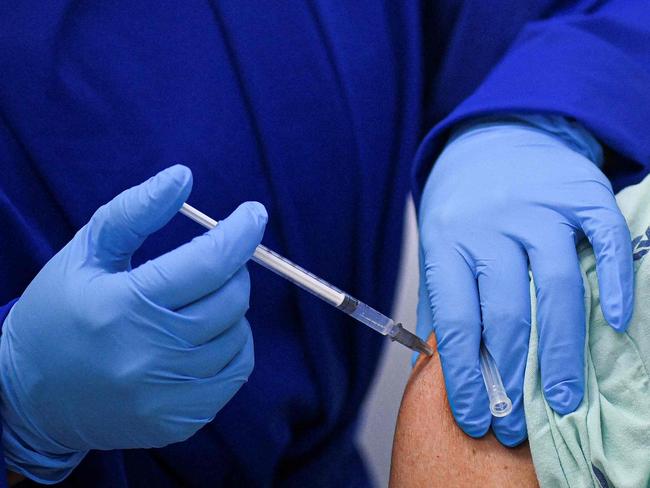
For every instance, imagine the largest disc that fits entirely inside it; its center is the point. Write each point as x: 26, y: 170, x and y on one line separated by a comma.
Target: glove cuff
x: 39, y: 466
x: 571, y: 132
x: 49, y: 462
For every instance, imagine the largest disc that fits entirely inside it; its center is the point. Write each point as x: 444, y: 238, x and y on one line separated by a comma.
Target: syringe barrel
x: 322, y: 289
x: 278, y: 264
x: 369, y: 316
x: 298, y: 275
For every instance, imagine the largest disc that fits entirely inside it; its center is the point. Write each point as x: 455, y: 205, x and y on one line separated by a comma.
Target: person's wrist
x: 27, y: 450
x: 571, y: 132
x: 40, y: 466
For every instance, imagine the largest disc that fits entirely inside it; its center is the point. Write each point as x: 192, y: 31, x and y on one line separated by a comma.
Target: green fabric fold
x: 606, y: 441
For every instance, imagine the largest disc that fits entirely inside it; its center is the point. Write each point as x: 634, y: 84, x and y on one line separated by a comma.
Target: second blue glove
x: 504, y: 196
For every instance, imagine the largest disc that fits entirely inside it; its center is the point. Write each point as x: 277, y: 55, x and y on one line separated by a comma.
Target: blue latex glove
x: 501, y: 197
x: 96, y: 355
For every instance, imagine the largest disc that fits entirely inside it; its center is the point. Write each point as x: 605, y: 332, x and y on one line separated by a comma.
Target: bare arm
x: 430, y: 450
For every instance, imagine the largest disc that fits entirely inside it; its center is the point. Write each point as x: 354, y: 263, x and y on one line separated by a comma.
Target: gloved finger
x: 212, y: 314
x: 203, y: 265
x: 505, y: 307
x: 197, y: 401
x: 453, y: 297
x: 609, y: 235
x: 208, y: 359
x: 424, y: 326
x: 119, y: 227
x: 219, y: 389
x: 560, y: 320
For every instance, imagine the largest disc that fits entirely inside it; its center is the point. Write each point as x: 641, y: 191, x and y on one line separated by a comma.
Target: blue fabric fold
x: 583, y: 63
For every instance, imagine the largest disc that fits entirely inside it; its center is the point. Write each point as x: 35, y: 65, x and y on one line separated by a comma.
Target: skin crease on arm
x: 430, y: 450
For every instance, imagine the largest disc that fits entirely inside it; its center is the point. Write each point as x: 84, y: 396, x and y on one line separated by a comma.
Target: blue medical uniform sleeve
x: 589, y: 61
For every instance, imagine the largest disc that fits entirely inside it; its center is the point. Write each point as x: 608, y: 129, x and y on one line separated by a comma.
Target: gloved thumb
x: 118, y: 228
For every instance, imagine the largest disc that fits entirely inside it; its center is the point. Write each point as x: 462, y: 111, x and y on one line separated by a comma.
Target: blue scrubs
x: 317, y: 110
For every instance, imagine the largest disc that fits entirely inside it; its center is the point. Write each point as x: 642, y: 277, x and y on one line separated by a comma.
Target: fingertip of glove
x: 618, y: 319
x: 618, y: 325
x: 257, y: 211
x: 476, y: 422
x: 178, y: 172
x: 170, y: 187
x: 511, y: 439
x: 564, y: 397
x: 177, y: 175
x: 475, y: 428
x: 142, y: 209
x: 511, y: 430
x: 246, y: 225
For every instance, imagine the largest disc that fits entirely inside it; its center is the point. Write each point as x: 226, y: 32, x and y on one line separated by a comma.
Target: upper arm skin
x: 430, y: 450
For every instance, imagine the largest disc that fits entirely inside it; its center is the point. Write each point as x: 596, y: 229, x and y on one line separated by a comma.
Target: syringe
x: 341, y: 300
x: 323, y: 290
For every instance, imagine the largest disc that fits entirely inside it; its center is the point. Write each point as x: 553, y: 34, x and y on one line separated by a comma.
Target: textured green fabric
x: 610, y: 431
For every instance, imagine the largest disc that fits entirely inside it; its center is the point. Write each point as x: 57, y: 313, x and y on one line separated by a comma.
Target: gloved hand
x: 96, y: 355
x: 500, y: 198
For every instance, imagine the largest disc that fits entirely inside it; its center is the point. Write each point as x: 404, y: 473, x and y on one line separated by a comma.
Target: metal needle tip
x: 410, y: 340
